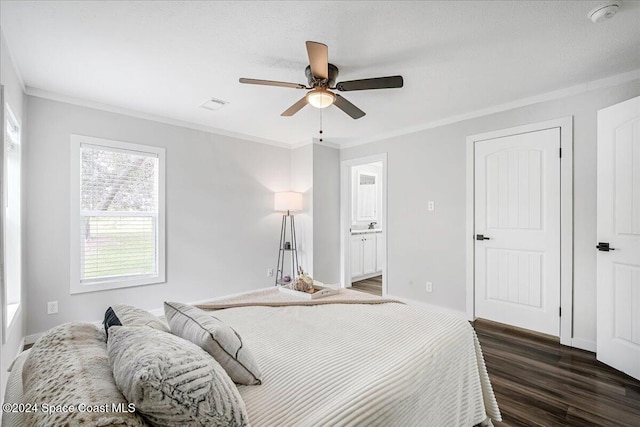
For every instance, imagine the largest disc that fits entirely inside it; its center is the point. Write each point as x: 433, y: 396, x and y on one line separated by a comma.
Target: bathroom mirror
x: 366, y: 197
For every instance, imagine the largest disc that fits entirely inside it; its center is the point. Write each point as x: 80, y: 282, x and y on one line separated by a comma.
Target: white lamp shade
x: 320, y: 98
x: 287, y: 201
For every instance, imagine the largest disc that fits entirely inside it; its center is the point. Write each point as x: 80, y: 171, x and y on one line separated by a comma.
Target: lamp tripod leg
x: 280, y: 265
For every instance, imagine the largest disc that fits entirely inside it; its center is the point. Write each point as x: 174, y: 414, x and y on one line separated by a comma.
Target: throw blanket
x: 357, y: 360
x: 272, y: 297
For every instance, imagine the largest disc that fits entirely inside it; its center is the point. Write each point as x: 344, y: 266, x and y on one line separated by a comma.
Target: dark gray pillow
x: 171, y: 381
x: 219, y: 340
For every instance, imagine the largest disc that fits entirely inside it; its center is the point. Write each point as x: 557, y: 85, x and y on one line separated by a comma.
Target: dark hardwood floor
x: 539, y: 382
x: 371, y: 286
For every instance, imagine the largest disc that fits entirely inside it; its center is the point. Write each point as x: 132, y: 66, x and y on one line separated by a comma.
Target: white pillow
x: 216, y: 337
x: 172, y: 382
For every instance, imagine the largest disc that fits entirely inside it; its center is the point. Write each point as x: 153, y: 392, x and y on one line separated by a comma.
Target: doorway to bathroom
x: 364, y: 224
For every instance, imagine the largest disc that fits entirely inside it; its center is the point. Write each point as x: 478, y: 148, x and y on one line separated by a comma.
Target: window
x: 117, y: 214
x: 12, y: 202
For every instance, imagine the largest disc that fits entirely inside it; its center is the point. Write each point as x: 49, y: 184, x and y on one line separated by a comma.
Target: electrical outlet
x: 52, y: 307
x: 269, y: 272
x: 431, y: 205
x: 429, y: 287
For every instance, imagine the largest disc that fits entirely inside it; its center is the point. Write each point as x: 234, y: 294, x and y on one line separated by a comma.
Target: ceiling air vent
x: 214, y: 104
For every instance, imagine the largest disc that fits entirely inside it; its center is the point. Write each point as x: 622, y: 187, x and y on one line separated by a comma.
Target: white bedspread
x: 362, y: 365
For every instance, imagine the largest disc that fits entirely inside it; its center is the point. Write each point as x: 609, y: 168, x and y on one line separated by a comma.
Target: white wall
x: 14, y: 96
x: 302, y: 182
x: 222, y: 232
x: 326, y: 214
x: 430, y: 165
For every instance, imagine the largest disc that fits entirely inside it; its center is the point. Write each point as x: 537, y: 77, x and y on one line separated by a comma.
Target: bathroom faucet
x: 372, y: 225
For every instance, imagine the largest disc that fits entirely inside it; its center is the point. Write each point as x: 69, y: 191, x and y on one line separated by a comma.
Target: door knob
x: 482, y: 237
x: 604, y: 247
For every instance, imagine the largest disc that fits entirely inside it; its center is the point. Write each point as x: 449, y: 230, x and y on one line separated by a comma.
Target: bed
x: 351, y: 360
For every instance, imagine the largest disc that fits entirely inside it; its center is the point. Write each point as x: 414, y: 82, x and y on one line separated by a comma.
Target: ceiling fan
x: 321, y: 76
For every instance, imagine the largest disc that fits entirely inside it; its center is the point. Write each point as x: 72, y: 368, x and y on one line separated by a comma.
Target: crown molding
x: 41, y: 93
x: 548, y: 96
x: 315, y: 141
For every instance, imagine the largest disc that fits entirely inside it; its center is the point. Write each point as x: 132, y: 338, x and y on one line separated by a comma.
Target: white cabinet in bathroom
x: 368, y: 254
x: 365, y: 255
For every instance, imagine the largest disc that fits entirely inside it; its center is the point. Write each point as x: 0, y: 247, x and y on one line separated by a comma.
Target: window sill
x: 12, y: 310
x: 80, y: 288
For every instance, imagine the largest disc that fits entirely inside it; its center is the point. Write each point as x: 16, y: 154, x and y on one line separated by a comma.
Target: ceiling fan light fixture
x: 320, y: 98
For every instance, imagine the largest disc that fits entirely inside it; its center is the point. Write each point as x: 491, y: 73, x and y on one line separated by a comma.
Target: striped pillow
x: 219, y: 340
x: 173, y: 382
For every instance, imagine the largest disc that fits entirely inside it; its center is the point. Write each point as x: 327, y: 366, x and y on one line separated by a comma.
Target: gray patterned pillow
x: 219, y: 340
x: 173, y: 382
x: 68, y: 365
x: 128, y: 315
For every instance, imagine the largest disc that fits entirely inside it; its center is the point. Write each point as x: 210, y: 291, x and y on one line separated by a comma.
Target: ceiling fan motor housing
x: 314, y: 81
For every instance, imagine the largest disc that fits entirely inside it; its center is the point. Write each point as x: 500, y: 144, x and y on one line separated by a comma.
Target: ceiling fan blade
x: 272, y: 83
x: 375, y: 83
x: 348, y: 107
x: 318, y: 59
x: 295, y: 107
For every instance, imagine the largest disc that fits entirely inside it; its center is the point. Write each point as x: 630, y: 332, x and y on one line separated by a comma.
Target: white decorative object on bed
x: 320, y: 291
x: 354, y: 359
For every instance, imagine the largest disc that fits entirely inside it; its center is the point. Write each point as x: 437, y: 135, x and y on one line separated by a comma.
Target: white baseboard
x: 583, y: 344
x: 457, y: 313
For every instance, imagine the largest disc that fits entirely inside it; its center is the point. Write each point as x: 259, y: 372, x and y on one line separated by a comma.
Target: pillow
x: 68, y: 365
x: 173, y: 382
x: 219, y: 340
x: 127, y: 315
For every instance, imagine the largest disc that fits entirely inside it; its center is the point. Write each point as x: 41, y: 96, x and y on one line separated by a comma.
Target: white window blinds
x: 119, y: 195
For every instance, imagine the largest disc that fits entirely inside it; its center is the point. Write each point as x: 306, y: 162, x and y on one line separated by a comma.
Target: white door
x: 618, y: 288
x: 369, y: 254
x: 355, y: 250
x: 379, y: 251
x: 517, y: 218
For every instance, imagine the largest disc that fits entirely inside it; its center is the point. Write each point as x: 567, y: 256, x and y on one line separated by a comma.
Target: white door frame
x: 566, y: 216
x: 345, y: 216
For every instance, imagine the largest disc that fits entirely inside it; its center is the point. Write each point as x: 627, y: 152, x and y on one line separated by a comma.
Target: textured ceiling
x: 167, y: 58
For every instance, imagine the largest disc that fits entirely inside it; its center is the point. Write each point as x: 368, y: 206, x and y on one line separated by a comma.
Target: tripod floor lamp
x: 287, y: 202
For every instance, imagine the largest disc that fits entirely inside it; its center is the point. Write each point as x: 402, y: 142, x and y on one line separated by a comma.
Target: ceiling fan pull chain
x: 320, y: 125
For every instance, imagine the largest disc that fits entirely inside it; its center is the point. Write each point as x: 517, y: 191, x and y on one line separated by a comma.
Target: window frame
x: 10, y: 312
x: 76, y: 285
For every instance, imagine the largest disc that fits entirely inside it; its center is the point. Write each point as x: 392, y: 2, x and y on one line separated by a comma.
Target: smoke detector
x: 604, y: 11
x: 213, y: 104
